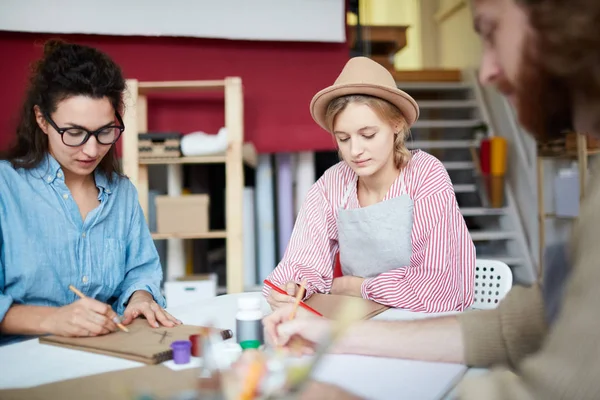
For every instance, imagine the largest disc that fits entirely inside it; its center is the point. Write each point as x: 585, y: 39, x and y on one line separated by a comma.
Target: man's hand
x: 142, y: 303
x: 347, y: 285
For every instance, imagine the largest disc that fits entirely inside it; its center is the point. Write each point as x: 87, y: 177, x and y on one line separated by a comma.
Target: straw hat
x: 361, y: 75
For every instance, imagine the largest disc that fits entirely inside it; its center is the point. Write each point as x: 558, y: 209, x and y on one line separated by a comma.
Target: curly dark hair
x: 65, y: 70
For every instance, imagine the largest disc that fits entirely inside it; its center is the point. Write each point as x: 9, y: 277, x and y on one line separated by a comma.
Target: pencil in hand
x: 299, y: 296
x: 116, y: 320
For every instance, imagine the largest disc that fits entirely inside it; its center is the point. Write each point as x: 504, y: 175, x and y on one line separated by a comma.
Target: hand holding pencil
x: 279, y: 298
x: 111, y: 314
x: 83, y: 317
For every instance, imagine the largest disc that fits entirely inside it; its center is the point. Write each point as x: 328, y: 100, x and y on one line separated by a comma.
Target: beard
x: 543, y: 103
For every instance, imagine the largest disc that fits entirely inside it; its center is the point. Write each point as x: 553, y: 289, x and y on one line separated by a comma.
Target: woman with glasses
x: 68, y: 217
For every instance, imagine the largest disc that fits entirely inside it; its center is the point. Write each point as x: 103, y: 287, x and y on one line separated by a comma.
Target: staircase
x: 449, y: 113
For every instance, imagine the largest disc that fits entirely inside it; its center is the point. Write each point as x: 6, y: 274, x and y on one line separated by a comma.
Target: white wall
x: 429, y: 33
x: 458, y: 44
x: 281, y: 20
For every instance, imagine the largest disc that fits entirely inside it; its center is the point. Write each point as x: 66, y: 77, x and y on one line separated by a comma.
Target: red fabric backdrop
x: 279, y: 80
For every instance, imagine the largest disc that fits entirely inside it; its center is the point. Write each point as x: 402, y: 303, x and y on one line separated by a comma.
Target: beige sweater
x: 530, y: 360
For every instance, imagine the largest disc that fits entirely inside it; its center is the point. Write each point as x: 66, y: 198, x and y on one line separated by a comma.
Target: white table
x: 30, y: 363
x: 471, y: 373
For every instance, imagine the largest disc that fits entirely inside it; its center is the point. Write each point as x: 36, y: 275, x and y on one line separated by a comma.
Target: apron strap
x: 349, y: 188
x: 402, y: 185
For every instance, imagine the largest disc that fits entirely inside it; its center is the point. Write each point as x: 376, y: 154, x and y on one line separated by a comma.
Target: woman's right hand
x: 278, y: 300
x: 84, y: 317
x: 306, y: 326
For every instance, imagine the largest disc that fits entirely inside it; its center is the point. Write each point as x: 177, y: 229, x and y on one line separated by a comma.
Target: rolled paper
x: 498, y: 148
x: 305, y: 177
x: 249, y: 227
x: 285, y: 202
x: 484, y: 156
x: 496, y: 191
x: 175, y: 247
x: 265, y: 216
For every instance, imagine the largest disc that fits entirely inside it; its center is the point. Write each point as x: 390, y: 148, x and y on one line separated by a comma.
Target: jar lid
x: 249, y: 303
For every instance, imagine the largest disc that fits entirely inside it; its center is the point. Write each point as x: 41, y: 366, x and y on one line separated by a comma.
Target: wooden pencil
x: 299, y: 297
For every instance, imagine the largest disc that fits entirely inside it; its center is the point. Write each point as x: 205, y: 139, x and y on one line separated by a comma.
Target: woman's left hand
x: 347, y: 285
x: 142, y: 303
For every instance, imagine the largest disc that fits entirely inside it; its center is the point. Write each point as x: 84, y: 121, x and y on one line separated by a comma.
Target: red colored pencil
x: 302, y: 304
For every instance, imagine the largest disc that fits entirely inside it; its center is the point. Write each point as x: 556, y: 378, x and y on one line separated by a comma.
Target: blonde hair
x: 384, y: 110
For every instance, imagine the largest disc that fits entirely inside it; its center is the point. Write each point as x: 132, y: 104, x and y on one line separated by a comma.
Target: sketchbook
x: 142, y: 343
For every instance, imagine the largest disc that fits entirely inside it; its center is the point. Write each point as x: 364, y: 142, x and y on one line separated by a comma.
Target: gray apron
x: 376, y: 238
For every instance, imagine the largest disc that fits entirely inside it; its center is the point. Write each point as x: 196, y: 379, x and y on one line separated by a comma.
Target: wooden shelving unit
x: 136, y: 121
x: 581, y: 152
x: 186, y: 160
x: 384, y: 41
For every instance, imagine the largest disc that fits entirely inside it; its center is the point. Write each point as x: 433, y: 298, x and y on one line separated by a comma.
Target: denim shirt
x: 45, y: 246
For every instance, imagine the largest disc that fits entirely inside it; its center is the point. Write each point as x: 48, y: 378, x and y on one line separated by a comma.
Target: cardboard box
x: 159, y: 145
x: 190, y: 289
x: 182, y: 214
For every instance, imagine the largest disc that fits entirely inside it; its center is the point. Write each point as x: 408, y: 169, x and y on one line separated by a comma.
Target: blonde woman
x: 391, y: 213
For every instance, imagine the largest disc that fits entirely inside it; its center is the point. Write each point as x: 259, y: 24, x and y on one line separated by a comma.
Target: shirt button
x: 49, y: 179
x: 84, y: 279
x: 83, y: 234
x: 65, y: 196
x: 107, y: 191
x: 59, y: 174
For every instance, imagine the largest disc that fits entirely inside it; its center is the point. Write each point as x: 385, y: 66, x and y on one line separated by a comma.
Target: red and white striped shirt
x: 441, y: 273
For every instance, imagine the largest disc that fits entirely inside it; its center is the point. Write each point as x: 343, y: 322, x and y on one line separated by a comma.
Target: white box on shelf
x: 190, y: 289
x: 566, y: 193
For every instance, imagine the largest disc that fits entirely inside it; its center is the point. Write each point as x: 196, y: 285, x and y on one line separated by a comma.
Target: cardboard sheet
x: 328, y: 304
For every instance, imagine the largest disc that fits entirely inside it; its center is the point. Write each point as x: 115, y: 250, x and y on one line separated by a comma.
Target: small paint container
x: 196, y: 345
x: 181, y: 351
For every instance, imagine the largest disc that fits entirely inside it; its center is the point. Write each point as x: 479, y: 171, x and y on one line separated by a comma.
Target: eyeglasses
x: 77, y: 136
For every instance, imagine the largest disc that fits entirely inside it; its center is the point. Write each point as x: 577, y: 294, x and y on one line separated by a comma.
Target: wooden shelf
x: 202, y: 235
x: 427, y: 75
x: 238, y: 152
x: 179, y: 86
x: 185, y: 160
x: 248, y: 155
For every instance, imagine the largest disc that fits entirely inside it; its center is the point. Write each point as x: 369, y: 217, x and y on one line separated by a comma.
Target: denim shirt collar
x: 50, y: 170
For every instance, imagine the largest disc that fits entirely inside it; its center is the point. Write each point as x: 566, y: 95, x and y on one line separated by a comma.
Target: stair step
x: 457, y: 165
x: 481, y: 211
x: 465, y: 188
x: 449, y: 123
x: 440, y: 144
x: 433, y: 85
x: 447, y: 104
x: 491, y: 235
